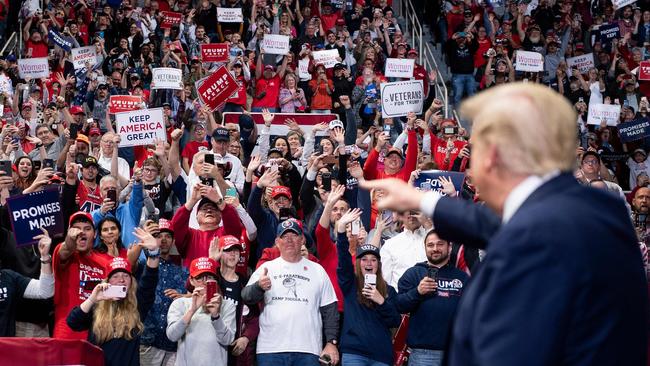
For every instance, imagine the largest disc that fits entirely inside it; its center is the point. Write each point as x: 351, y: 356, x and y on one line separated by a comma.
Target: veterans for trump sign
x: 400, y: 97
x: 583, y: 62
x: 215, y: 52
x: 81, y: 55
x: 216, y: 88
x: 29, y: 213
x: 124, y: 103
x: 528, y: 61
x: 230, y: 15
x: 34, y: 68
x: 169, y: 18
x: 399, y: 68
x: 275, y: 44
x: 167, y: 78
x: 599, y: 112
x: 141, y: 127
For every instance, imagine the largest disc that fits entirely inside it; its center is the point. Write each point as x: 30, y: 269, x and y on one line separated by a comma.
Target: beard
x: 535, y: 39
x: 439, y: 260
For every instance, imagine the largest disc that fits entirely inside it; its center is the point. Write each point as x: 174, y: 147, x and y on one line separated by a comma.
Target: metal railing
x: 10, y: 44
x: 427, y: 59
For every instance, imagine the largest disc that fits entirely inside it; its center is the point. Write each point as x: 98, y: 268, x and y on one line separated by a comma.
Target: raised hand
x: 265, y: 281
x: 447, y: 186
x: 335, y: 195
x: 348, y: 217
x: 268, y: 117
x: 146, y: 239
x: 44, y: 243
x: 267, y: 178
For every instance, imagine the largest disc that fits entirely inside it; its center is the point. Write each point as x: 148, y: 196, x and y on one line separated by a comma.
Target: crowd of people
x: 230, y: 243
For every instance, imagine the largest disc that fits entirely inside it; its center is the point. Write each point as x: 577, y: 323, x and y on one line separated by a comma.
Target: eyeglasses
x: 591, y: 162
x: 150, y: 170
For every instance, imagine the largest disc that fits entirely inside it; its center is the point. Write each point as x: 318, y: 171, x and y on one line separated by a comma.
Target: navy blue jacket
x: 431, y: 315
x: 366, y: 331
x: 562, y: 284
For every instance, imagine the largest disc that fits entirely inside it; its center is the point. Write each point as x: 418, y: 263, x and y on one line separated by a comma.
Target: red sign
x: 644, y: 70
x: 170, y: 18
x: 215, y: 89
x: 215, y: 52
x: 124, y: 103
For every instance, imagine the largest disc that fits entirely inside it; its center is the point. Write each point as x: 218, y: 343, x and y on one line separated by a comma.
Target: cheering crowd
x: 243, y: 237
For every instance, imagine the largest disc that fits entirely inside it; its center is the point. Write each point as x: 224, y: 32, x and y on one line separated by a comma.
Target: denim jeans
x: 287, y: 359
x: 350, y: 359
x: 425, y: 357
x: 464, y: 85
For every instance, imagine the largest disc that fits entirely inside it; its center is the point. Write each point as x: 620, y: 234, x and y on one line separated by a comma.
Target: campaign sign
x: 400, y: 97
x: 275, y: 44
x: 428, y: 180
x: 141, y: 127
x: 31, y: 212
x: 528, y: 61
x: 60, y: 41
x: 622, y: 3
x: 644, y: 70
x: 230, y: 15
x: 167, y: 78
x: 169, y: 18
x: 399, y: 68
x: 81, y: 55
x: 34, y: 68
x: 215, y: 52
x: 583, y: 62
x: 607, y: 33
x: 634, y: 130
x: 326, y: 57
x: 303, y: 69
x: 124, y: 103
x: 609, y: 112
x: 215, y: 89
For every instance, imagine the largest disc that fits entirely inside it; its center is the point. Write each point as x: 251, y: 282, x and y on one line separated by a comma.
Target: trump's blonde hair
x: 532, y: 127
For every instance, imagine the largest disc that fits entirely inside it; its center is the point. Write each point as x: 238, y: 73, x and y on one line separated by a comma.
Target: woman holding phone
x: 368, y: 306
x: 114, y: 312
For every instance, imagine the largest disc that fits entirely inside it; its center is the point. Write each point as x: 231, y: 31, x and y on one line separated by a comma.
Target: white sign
x: 399, y: 68
x: 583, y: 62
x: 141, y: 127
x: 303, y: 69
x: 529, y: 61
x: 400, y: 97
x: 622, y: 3
x: 81, y: 55
x: 609, y: 112
x: 230, y: 15
x: 5, y: 84
x: 329, y: 58
x: 34, y: 68
x: 167, y: 78
x: 275, y: 44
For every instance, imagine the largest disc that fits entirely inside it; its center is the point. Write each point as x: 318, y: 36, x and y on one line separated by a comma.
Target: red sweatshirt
x: 328, y: 257
x: 439, y: 150
x: 370, y: 170
x: 193, y: 243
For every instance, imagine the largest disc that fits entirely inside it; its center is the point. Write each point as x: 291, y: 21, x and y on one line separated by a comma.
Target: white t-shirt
x: 291, y: 319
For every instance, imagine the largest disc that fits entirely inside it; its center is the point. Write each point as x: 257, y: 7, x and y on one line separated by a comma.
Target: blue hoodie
x: 431, y: 315
x: 128, y: 214
x: 366, y: 331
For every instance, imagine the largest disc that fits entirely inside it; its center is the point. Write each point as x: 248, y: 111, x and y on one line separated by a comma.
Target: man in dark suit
x: 562, y: 282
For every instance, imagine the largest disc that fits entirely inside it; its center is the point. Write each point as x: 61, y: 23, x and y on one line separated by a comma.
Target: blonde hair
x: 532, y: 127
x: 118, y: 319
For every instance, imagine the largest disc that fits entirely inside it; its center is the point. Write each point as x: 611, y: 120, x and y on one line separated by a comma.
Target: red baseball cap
x: 281, y: 191
x: 94, y: 131
x: 75, y: 109
x: 166, y: 225
x: 80, y: 215
x: 228, y: 242
x: 117, y: 264
x: 203, y: 265
x: 340, y: 21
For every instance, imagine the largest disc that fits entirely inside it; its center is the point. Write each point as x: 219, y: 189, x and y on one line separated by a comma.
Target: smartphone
x: 387, y: 130
x: 37, y: 164
x: 111, y: 194
x: 74, y: 129
x: 48, y: 163
x: 325, y: 360
x: 286, y: 213
x: 370, y: 279
x: 115, y: 291
x: 432, y: 273
x: 387, y: 216
x: 210, y: 289
x: 616, y: 101
x: 231, y: 192
x: 355, y: 227
x: 90, y: 120
x: 329, y: 159
x: 450, y: 131
x: 5, y: 166
x: 581, y: 100
x: 327, y: 181
x: 209, y: 158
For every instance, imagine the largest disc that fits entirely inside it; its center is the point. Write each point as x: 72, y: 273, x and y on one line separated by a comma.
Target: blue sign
x: 607, y: 33
x: 634, y: 130
x: 60, y: 40
x: 31, y: 212
x: 428, y: 180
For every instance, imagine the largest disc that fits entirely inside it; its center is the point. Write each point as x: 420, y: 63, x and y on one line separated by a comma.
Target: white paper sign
x: 275, y: 44
x: 399, y: 67
x: 583, y: 62
x: 167, y: 78
x: 34, y: 68
x: 326, y: 57
x: 141, y: 127
x: 609, y: 112
x: 81, y: 55
x: 303, y: 69
x: 529, y: 61
x: 400, y: 97
x: 5, y: 84
x: 621, y: 3
x: 230, y: 15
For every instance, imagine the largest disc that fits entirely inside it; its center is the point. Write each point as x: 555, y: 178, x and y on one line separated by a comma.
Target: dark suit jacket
x: 562, y: 282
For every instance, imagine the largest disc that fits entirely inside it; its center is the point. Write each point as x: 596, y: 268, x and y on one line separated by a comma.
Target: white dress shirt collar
x: 521, y: 193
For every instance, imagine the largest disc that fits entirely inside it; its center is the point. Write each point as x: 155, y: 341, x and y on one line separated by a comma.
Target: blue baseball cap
x: 289, y: 225
x: 367, y: 249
